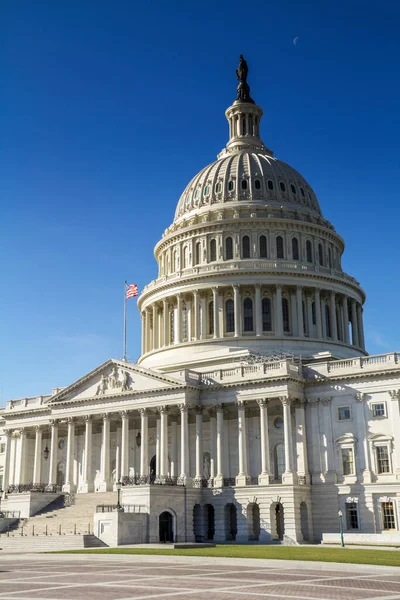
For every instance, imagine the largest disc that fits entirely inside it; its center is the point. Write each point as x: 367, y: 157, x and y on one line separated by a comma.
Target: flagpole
x: 125, y: 284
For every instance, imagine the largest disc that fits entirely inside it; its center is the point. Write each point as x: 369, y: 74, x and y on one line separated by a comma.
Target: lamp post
x: 119, y: 506
x: 340, y: 515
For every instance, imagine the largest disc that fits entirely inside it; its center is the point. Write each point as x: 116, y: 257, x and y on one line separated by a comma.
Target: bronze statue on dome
x: 243, y: 89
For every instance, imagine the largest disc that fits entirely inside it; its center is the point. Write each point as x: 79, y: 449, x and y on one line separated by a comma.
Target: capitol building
x: 254, y: 412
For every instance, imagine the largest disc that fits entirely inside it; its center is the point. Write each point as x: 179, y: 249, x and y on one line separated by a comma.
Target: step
x: 47, y: 543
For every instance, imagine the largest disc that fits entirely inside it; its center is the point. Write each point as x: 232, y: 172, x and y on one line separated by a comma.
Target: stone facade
x: 254, y: 412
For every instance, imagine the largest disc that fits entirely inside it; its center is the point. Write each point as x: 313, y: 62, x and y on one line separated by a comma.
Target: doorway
x: 230, y: 522
x: 166, y: 527
x: 153, y: 469
x: 280, y: 527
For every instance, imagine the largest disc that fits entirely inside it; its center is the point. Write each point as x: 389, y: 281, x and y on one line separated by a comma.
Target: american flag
x: 131, y: 290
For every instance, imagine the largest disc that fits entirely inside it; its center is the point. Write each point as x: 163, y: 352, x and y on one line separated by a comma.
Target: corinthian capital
x: 394, y: 394
x: 285, y: 400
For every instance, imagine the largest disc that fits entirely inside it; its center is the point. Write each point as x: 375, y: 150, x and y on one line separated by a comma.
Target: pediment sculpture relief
x: 116, y: 380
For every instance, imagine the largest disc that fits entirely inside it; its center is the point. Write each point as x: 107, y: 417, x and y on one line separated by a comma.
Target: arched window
x: 282, y: 186
x: 228, y: 248
x: 279, y: 461
x: 313, y: 314
x: 245, y: 246
x: 213, y: 251
x: 231, y: 186
x: 248, y: 314
x: 229, y: 316
x: 302, y: 192
x: 308, y: 251
x: 198, y: 253
x: 266, y: 314
x: 184, y: 324
x: 174, y: 265
x: 211, y: 318
x: 172, y: 326
x: 257, y: 184
x: 206, y: 190
x: 320, y: 255
x: 294, y: 191
x: 295, y: 248
x: 285, y: 315
x: 185, y: 257
x: 328, y: 321
x: 270, y: 184
x: 263, y: 246
x: 218, y: 187
x: 279, y: 247
x: 244, y: 184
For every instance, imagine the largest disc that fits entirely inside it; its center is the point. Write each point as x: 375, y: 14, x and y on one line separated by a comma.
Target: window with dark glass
x: 328, y: 321
x: 248, y: 314
x: 320, y: 255
x: 351, y: 515
x: 279, y: 247
x: 244, y: 184
x: 302, y: 192
x: 285, y: 315
x: 348, y: 461
x: 230, y: 316
x: 244, y: 130
x: 270, y: 184
x: 303, y: 305
x: 211, y: 318
x: 228, y: 248
x: 314, y: 314
x: 218, y: 187
x: 266, y: 314
x: 257, y: 184
x: 231, y: 186
x: 245, y: 246
x: 263, y: 246
x: 382, y: 459
x: 295, y: 249
x: 294, y: 191
x: 197, y: 254
x: 213, y: 250
x: 329, y: 258
x: 388, y: 520
x: 308, y: 251
x: 282, y: 186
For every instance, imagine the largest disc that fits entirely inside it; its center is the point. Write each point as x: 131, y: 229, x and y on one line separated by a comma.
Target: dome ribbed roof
x: 247, y: 177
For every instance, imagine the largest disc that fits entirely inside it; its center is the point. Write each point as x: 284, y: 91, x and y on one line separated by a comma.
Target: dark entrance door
x: 166, y: 527
x: 280, y: 528
x: 153, y: 469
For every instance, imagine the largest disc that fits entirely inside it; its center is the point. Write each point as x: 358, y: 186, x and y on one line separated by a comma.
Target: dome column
x: 346, y: 320
x: 178, y: 319
x: 216, y: 311
x: 165, y: 322
x: 238, y: 310
x: 318, y: 316
x: 203, y: 302
x: 332, y: 308
x: 278, y: 312
x: 258, y: 309
x: 144, y: 332
x: 299, y: 300
x: 196, y: 315
x: 354, y: 324
x: 155, y: 326
x: 360, y: 326
x: 310, y: 324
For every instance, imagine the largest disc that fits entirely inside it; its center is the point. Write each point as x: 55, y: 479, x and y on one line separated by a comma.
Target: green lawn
x: 318, y: 553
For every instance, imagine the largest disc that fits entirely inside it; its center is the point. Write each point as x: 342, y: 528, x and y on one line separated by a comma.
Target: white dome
x: 252, y: 177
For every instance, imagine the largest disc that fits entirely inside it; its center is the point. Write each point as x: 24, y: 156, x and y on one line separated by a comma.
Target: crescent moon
x: 295, y: 40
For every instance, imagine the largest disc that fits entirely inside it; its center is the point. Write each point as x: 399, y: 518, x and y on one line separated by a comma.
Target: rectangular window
x: 348, y: 461
x: 378, y: 410
x: 382, y: 459
x: 388, y: 521
x: 344, y: 413
x: 351, y: 515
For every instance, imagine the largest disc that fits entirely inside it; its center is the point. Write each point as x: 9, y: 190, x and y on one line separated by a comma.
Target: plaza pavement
x: 134, y: 577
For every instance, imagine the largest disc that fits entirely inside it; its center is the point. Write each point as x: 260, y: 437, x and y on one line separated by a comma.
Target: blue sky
x: 109, y: 108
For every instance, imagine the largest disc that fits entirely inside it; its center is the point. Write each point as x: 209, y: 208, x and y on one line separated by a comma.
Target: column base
x: 105, y: 486
x: 263, y: 479
x: 86, y: 488
x: 242, y: 480
x: 218, y: 481
x: 70, y: 488
x: 330, y: 477
x: 184, y: 480
x: 303, y: 478
x: 288, y: 478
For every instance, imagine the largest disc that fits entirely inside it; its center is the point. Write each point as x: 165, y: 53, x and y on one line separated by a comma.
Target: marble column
x: 213, y: 439
x: 87, y: 462
x: 354, y: 324
x: 144, y: 332
x: 216, y: 312
x: 199, y: 443
x: 310, y: 325
x: 362, y: 422
x: 196, y: 319
x: 6, y: 470
x: 278, y: 312
x: 219, y: 478
x: 346, y: 320
x: 299, y: 303
x: 124, y: 445
x: 360, y: 326
x: 21, y: 457
x: 318, y: 316
x: 243, y: 475
x: 166, y: 340
x: 163, y: 471
x: 105, y: 484
x: 263, y: 478
x: 288, y: 476
x: 301, y: 443
x: 53, y: 453
x: 144, y: 443
x: 178, y: 323
x: 332, y: 312
x: 37, y: 461
x: 258, y: 311
x: 184, y: 474
x: 158, y: 443
x: 174, y: 447
x: 203, y: 329
x: 69, y: 485
x: 189, y: 328
x: 237, y: 300
x: 155, y: 327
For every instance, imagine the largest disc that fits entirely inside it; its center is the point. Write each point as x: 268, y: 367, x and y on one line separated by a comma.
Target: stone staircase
x: 57, y: 526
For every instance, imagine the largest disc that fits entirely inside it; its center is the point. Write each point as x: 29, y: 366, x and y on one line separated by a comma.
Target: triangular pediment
x: 115, y: 377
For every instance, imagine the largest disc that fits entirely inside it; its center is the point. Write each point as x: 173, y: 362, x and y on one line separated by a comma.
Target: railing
x: 152, y: 480
x: 10, y: 514
x: 22, y: 488
x: 24, y: 531
x: 128, y: 508
x: 383, y: 362
x: 273, y: 368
